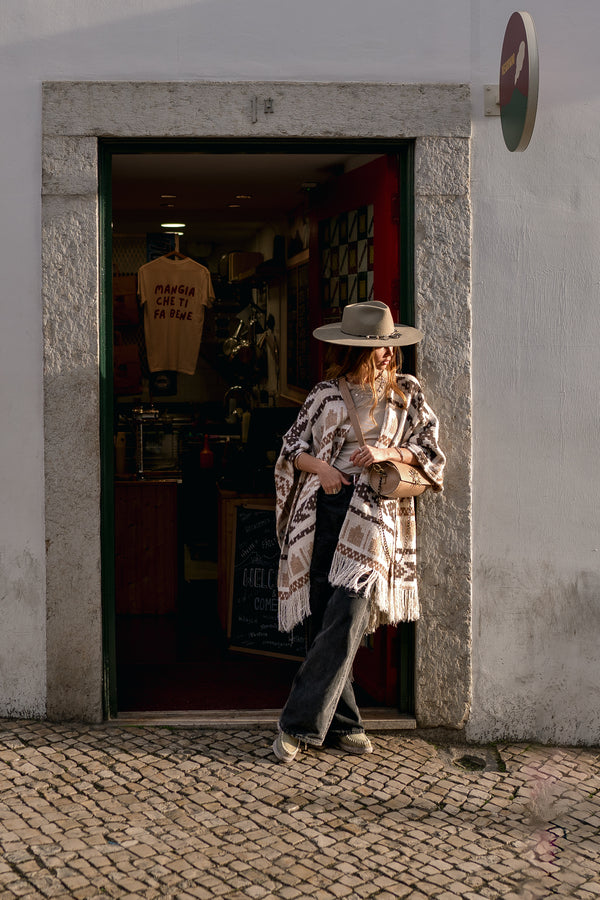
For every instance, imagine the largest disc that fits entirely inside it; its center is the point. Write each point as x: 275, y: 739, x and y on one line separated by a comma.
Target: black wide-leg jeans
x: 321, y: 701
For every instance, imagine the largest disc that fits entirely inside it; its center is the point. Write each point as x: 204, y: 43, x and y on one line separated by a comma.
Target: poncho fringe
x: 403, y: 603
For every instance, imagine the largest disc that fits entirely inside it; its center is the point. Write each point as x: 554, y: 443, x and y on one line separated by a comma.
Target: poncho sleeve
x: 318, y: 430
x: 298, y: 439
x: 421, y: 435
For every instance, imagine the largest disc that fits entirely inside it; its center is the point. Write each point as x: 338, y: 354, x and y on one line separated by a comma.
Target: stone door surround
x: 75, y: 116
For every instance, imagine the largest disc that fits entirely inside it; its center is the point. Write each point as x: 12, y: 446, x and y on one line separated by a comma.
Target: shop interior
x: 194, y: 452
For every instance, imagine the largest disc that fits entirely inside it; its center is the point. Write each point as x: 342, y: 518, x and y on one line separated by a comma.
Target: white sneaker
x: 354, y: 743
x: 286, y: 747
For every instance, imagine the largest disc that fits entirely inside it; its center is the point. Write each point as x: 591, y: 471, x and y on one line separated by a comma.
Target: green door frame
x: 106, y: 149
x: 107, y: 511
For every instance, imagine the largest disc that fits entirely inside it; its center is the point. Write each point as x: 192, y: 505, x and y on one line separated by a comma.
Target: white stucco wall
x: 536, y: 623
x: 535, y: 305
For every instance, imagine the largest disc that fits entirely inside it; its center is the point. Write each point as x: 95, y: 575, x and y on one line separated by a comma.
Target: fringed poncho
x: 376, y: 552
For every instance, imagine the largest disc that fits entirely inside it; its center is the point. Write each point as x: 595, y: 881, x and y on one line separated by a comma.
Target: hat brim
x: 403, y: 336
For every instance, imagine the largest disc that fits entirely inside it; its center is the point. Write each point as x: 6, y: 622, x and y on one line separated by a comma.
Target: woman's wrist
x: 405, y: 455
x: 396, y: 454
x: 306, y: 462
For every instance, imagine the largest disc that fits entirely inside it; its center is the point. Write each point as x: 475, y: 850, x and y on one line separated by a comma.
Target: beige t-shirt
x: 174, y: 294
x: 363, y: 401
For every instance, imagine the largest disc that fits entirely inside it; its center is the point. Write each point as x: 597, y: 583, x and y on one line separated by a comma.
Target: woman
x: 348, y: 557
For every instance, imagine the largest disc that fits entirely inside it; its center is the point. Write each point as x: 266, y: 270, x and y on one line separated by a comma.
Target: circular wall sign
x: 519, y: 79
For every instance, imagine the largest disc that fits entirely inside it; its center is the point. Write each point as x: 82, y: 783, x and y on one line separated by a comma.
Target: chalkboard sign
x: 253, y: 603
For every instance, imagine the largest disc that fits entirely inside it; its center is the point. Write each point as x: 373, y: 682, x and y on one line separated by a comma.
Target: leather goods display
x: 389, y: 479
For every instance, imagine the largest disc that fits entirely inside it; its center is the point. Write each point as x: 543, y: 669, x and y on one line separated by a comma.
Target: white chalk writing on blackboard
x: 254, y: 600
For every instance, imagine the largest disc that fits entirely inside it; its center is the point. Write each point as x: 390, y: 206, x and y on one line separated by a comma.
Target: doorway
x: 82, y: 122
x: 285, y: 239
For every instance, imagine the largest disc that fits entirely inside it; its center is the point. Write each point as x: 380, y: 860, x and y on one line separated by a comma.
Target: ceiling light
x: 172, y: 224
x: 234, y: 205
x: 243, y: 196
x: 168, y: 196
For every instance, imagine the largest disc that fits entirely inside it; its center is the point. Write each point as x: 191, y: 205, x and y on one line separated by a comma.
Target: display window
x: 221, y: 265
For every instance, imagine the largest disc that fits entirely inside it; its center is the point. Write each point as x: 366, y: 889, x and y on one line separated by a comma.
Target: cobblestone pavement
x: 150, y: 812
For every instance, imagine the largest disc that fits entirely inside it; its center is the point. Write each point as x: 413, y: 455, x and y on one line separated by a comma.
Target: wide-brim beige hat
x: 368, y: 324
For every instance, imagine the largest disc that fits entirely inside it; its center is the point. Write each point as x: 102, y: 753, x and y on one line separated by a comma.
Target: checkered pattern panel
x: 346, y: 260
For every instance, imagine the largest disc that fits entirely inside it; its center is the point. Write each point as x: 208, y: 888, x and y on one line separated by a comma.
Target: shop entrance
x: 267, y: 244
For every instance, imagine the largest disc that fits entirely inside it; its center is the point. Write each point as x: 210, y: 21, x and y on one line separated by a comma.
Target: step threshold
x: 375, y: 718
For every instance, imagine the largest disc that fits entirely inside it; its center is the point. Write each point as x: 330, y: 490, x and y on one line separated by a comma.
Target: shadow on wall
x: 22, y: 666
x: 537, y: 655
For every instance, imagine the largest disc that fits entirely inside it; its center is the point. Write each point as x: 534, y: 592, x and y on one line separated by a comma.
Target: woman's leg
x: 322, y: 698
x: 322, y: 677
x: 331, y: 512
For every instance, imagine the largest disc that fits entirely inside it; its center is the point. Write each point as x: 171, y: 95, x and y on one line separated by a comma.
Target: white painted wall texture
x: 536, y: 543
x: 536, y: 624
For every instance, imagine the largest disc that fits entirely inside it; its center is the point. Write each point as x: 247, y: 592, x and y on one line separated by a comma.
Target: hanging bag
x: 390, y: 479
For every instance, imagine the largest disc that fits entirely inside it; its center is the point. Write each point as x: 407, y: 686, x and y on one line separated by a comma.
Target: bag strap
x: 347, y: 398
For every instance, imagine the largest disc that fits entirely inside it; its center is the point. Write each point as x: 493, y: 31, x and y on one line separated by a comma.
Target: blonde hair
x: 357, y: 363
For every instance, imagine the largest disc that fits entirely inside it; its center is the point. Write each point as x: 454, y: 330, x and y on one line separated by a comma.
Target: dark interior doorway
x: 194, y: 450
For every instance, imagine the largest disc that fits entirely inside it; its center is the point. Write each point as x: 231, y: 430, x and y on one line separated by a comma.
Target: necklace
x: 361, y: 391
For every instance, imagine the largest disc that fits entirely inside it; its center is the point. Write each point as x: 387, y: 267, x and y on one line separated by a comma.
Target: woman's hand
x: 331, y: 479
x: 366, y: 456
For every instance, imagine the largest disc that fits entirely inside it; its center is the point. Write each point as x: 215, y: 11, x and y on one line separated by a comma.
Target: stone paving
x: 155, y: 812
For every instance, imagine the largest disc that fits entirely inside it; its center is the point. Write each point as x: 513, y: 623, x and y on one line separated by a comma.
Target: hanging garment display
x: 175, y: 292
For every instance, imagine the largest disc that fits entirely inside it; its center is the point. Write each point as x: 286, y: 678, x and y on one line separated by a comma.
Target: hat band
x: 375, y: 337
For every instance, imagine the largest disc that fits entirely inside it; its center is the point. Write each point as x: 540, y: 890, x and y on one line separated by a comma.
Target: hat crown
x: 369, y: 318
